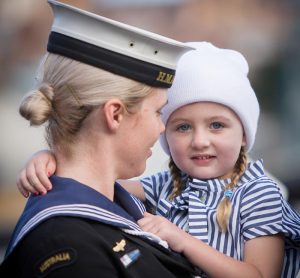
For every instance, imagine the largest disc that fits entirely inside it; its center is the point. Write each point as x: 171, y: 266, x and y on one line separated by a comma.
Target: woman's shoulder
x: 72, y: 234
x: 70, y: 229
x: 72, y: 246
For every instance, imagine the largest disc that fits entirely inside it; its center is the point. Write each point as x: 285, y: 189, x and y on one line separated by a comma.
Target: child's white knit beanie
x: 215, y: 75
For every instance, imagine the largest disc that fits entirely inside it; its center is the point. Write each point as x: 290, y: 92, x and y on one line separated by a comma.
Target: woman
x: 101, y: 127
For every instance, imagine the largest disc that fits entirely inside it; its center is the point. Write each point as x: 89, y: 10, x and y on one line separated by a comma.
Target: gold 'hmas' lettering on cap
x: 165, y: 77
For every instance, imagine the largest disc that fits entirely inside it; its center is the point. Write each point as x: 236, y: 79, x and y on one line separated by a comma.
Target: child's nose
x: 200, y: 140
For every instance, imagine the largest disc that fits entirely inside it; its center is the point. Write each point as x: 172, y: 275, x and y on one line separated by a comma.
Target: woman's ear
x: 113, y: 111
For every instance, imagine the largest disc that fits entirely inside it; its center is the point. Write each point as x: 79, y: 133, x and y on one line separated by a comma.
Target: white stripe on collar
x: 81, y: 210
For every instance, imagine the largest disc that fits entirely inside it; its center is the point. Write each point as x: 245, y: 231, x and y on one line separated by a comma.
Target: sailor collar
x: 71, y: 198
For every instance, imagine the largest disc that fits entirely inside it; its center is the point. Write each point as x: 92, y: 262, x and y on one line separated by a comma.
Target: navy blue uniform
x: 74, y: 231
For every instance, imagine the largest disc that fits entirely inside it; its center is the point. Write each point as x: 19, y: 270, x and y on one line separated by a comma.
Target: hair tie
x: 228, y: 194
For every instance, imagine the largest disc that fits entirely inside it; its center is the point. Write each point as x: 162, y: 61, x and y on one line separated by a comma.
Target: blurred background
x: 267, y: 32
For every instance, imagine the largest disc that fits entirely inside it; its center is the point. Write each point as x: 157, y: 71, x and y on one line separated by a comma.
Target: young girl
x: 236, y: 220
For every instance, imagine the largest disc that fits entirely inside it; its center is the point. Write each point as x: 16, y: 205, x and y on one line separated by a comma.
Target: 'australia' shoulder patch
x: 57, y: 259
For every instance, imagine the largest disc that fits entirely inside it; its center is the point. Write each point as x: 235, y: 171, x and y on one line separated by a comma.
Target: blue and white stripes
x: 258, y: 209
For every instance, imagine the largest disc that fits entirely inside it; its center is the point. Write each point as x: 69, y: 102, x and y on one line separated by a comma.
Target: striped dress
x: 258, y: 209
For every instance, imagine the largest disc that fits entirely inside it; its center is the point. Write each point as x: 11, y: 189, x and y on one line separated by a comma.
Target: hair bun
x: 36, y: 106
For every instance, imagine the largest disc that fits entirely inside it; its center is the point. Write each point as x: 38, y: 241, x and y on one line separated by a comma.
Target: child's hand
x: 34, y: 177
x: 165, y: 229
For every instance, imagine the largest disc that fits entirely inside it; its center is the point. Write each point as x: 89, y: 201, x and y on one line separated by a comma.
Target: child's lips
x: 203, y: 159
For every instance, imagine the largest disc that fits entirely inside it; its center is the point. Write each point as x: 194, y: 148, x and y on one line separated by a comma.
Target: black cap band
x: 150, y: 74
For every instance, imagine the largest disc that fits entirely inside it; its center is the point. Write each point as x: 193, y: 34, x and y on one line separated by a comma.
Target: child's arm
x: 263, y: 256
x: 34, y: 178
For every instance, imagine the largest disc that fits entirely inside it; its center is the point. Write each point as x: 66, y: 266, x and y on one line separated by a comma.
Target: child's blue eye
x: 183, y: 127
x: 216, y: 125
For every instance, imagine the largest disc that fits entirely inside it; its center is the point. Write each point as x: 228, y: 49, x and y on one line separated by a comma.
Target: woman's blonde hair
x: 68, y: 91
x: 224, y: 207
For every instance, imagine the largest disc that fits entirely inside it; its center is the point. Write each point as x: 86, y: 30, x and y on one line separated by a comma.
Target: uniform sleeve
x: 69, y: 250
x: 154, y: 186
x: 261, y: 210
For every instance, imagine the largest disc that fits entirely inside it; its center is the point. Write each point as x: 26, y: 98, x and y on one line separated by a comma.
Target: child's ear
x: 113, y: 111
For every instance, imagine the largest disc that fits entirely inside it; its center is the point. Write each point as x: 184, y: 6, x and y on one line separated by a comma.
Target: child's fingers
x: 149, y: 227
x: 146, y: 219
x: 148, y: 224
x: 43, y: 174
x: 34, y: 180
x: 22, y: 190
x: 24, y: 185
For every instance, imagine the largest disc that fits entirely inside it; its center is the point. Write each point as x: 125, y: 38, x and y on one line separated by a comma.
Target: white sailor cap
x: 113, y: 46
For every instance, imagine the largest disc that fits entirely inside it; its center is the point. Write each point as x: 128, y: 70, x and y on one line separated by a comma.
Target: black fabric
x: 89, y: 248
x: 151, y: 74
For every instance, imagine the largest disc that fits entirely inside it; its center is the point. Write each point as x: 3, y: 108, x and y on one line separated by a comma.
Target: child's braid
x: 224, y: 208
x: 176, y: 178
